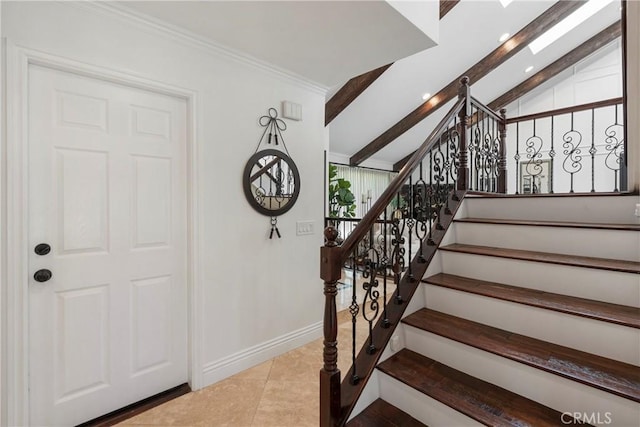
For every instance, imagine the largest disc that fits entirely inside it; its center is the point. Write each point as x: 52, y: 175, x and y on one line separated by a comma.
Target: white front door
x: 107, y: 192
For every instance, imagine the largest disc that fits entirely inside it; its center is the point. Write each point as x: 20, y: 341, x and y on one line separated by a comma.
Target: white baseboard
x: 230, y: 365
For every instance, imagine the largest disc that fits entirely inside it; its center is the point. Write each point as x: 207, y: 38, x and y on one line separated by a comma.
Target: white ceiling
x: 327, y: 42
x: 399, y: 90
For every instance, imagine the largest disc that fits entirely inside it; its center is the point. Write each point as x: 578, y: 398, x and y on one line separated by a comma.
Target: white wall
x: 260, y: 297
x: 596, y: 78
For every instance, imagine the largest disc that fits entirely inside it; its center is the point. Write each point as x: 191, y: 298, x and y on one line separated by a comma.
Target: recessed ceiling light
x: 567, y: 24
x: 504, y: 37
x: 505, y: 3
x: 426, y: 96
x: 529, y: 68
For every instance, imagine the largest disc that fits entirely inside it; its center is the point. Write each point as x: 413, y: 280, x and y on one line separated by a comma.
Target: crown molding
x: 175, y: 33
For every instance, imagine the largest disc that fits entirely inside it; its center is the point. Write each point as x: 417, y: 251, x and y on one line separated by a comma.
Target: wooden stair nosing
x: 383, y: 414
x: 484, y: 402
x: 612, y: 376
x: 540, y: 223
x: 607, y: 312
x: 547, y: 257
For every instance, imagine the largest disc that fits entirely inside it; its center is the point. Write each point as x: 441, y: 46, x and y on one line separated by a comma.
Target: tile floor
x: 281, y: 392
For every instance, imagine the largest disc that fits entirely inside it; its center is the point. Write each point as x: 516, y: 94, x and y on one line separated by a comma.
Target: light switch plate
x: 304, y: 228
x: 291, y: 110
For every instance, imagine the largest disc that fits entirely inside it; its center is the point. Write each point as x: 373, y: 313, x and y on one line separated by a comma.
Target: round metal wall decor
x: 271, y: 180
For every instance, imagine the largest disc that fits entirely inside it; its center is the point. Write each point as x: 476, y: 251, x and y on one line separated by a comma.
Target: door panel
x: 107, y: 186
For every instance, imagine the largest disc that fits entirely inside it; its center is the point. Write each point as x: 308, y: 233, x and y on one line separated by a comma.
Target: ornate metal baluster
x: 372, y: 264
x: 593, y: 150
x: 614, y: 144
x: 517, y: 157
x: 448, y: 166
x: 410, y: 222
x: 472, y: 153
x: 430, y: 201
x: 397, y: 255
x: 439, y: 177
x: 552, y: 155
x: 572, y: 162
x: 421, y: 213
x: 354, y: 309
x: 453, y: 140
x: 533, y: 166
x: 384, y: 268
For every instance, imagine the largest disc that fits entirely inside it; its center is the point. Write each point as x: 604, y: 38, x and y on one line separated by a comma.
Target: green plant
x: 342, y: 202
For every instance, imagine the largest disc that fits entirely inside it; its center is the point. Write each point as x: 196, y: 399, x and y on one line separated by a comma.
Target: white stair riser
x: 559, y: 393
x: 602, y: 285
x: 613, y: 244
x: 370, y: 393
x: 604, y: 209
x: 593, y: 336
x: 421, y: 407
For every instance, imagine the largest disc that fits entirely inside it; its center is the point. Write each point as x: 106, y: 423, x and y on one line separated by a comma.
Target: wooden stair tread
x: 551, y: 258
x: 477, y: 399
x: 612, y: 376
x: 383, y: 414
x: 626, y: 227
x: 606, y: 312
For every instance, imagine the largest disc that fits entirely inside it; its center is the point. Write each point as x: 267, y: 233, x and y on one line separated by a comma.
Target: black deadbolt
x: 42, y: 249
x: 42, y: 275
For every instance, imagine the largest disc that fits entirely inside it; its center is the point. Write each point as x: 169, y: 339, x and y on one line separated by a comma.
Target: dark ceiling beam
x: 446, y: 6
x: 505, y: 51
x: 592, y: 45
x: 354, y: 87
x: 349, y: 92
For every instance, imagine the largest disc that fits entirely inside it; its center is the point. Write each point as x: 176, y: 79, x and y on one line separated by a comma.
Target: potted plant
x: 342, y: 202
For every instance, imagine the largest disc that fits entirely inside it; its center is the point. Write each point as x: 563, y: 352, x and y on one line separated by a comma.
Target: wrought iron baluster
x: 614, y: 144
x: 410, y: 222
x: 447, y: 169
x: 593, y: 150
x: 354, y: 309
x: 533, y: 167
x: 517, y: 157
x: 371, y: 309
x: 397, y: 256
x: 385, y: 267
x: 572, y: 163
x: 552, y: 155
x: 472, y: 153
x: 430, y: 200
x: 421, y: 212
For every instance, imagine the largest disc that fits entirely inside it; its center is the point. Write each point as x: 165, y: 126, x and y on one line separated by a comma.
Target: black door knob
x: 42, y: 249
x: 42, y: 275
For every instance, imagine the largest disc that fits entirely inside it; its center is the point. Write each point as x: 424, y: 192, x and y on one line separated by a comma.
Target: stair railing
x: 574, y: 149
x: 392, y: 245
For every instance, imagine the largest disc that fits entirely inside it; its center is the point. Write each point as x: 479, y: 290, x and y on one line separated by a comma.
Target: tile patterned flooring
x: 282, y: 392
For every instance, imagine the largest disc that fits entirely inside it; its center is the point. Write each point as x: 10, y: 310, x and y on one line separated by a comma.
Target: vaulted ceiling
x: 386, y: 111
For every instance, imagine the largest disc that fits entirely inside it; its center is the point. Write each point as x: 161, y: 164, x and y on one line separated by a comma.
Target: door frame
x: 14, y: 303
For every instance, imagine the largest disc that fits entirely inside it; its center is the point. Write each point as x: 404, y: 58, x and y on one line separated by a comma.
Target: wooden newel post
x: 502, y: 160
x: 330, y: 272
x: 465, y: 112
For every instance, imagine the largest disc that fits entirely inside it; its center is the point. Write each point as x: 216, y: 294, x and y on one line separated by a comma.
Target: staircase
x: 524, y: 317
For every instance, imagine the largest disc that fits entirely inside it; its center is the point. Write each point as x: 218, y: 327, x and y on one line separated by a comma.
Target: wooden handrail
x: 385, y: 198
x: 566, y: 110
x: 486, y: 110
